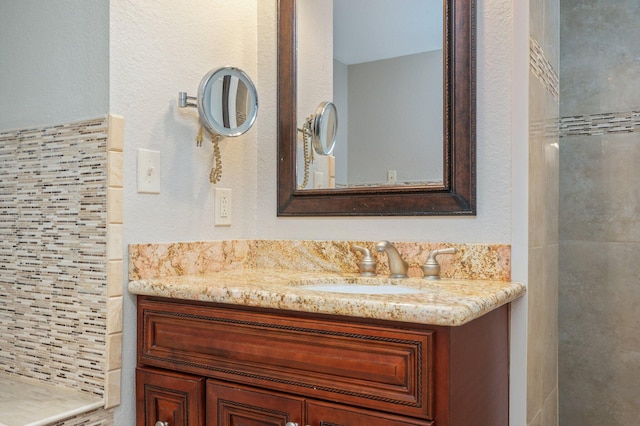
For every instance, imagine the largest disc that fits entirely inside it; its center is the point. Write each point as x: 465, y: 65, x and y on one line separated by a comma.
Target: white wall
x: 519, y: 207
x: 53, y: 61
x: 157, y: 49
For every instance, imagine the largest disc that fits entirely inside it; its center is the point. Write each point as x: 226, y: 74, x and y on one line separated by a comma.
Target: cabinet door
x: 327, y: 414
x: 231, y: 405
x: 168, y: 398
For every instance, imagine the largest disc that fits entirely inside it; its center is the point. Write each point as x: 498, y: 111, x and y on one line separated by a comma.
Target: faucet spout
x: 397, y: 266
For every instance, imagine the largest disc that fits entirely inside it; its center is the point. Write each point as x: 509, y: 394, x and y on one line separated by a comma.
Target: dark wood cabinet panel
x: 266, y: 367
x: 241, y: 406
x: 164, y: 396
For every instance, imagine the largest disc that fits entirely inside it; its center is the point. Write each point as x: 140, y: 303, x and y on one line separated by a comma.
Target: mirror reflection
x: 371, y: 58
x: 319, y: 132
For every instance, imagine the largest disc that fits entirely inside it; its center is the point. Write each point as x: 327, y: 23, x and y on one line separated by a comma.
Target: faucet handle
x: 431, y: 267
x: 368, y: 264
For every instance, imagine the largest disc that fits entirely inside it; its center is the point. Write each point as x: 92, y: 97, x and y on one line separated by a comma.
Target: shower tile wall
x: 600, y: 213
x: 60, y: 217
x: 542, y: 293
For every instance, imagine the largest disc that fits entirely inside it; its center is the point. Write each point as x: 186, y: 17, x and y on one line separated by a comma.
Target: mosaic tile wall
x: 600, y: 124
x: 60, y: 244
x: 542, y: 68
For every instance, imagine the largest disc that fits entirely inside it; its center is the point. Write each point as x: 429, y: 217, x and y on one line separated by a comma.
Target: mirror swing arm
x: 455, y: 197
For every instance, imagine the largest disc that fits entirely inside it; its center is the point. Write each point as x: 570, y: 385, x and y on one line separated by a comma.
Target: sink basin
x: 353, y: 288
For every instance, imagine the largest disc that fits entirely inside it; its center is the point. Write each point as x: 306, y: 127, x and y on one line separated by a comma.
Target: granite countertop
x: 447, y: 302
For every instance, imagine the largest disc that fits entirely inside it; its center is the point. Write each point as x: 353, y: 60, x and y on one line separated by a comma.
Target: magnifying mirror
x: 227, y: 104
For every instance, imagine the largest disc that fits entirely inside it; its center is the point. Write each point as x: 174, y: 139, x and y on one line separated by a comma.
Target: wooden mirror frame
x: 457, y: 195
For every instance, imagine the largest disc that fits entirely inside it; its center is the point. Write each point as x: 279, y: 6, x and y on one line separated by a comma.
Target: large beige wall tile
x: 600, y: 194
x: 599, y: 341
x: 599, y: 67
x: 114, y: 315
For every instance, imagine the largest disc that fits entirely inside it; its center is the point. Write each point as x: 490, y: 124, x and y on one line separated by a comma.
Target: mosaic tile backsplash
x: 54, y: 258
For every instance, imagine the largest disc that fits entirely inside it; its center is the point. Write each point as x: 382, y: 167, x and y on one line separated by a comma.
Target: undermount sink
x: 355, y: 288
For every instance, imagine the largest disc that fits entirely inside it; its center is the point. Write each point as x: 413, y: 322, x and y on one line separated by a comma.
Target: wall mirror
x: 403, y: 83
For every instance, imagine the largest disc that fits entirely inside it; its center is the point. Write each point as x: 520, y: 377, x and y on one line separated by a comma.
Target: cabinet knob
x: 291, y: 424
x: 160, y: 423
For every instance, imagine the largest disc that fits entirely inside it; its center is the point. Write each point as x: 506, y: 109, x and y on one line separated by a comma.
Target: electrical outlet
x: 391, y: 176
x: 222, y: 207
x: 148, y: 171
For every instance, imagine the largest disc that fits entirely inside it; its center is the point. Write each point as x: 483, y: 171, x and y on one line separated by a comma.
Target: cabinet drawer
x: 376, y: 367
x: 327, y: 414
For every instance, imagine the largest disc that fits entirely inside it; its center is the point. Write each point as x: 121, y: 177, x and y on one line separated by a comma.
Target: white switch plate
x: 318, y: 180
x: 391, y: 176
x: 148, y: 171
x: 222, y: 207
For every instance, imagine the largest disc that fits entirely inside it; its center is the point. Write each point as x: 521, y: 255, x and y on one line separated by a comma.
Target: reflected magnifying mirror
x: 319, y: 130
x: 323, y: 128
x: 227, y: 104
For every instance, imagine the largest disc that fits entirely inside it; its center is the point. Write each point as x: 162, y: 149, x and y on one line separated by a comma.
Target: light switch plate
x: 148, y: 171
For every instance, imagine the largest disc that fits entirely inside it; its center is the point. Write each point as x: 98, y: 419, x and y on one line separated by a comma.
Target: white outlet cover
x: 223, y: 207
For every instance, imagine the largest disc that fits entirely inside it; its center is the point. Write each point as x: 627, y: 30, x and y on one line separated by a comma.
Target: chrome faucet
x: 397, y: 266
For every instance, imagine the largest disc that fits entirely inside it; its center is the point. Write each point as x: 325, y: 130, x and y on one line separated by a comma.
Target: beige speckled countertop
x: 448, y: 302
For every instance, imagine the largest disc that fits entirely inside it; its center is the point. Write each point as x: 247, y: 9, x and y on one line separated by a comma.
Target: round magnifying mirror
x: 324, y: 128
x: 227, y: 101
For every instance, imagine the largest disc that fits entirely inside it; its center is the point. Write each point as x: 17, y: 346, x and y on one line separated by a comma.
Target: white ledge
x: 28, y: 402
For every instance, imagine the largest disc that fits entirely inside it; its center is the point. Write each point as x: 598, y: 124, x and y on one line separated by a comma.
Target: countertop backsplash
x: 472, y: 261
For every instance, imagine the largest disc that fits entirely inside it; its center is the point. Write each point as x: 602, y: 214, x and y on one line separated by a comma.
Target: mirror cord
x: 308, y: 156
x: 199, y: 137
x: 216, y: 172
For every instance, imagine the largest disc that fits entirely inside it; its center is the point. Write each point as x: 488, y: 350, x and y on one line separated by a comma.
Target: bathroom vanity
x: 221, y: 350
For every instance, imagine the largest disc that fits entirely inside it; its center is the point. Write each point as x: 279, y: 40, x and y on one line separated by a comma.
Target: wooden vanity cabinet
x: 268, y: 367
